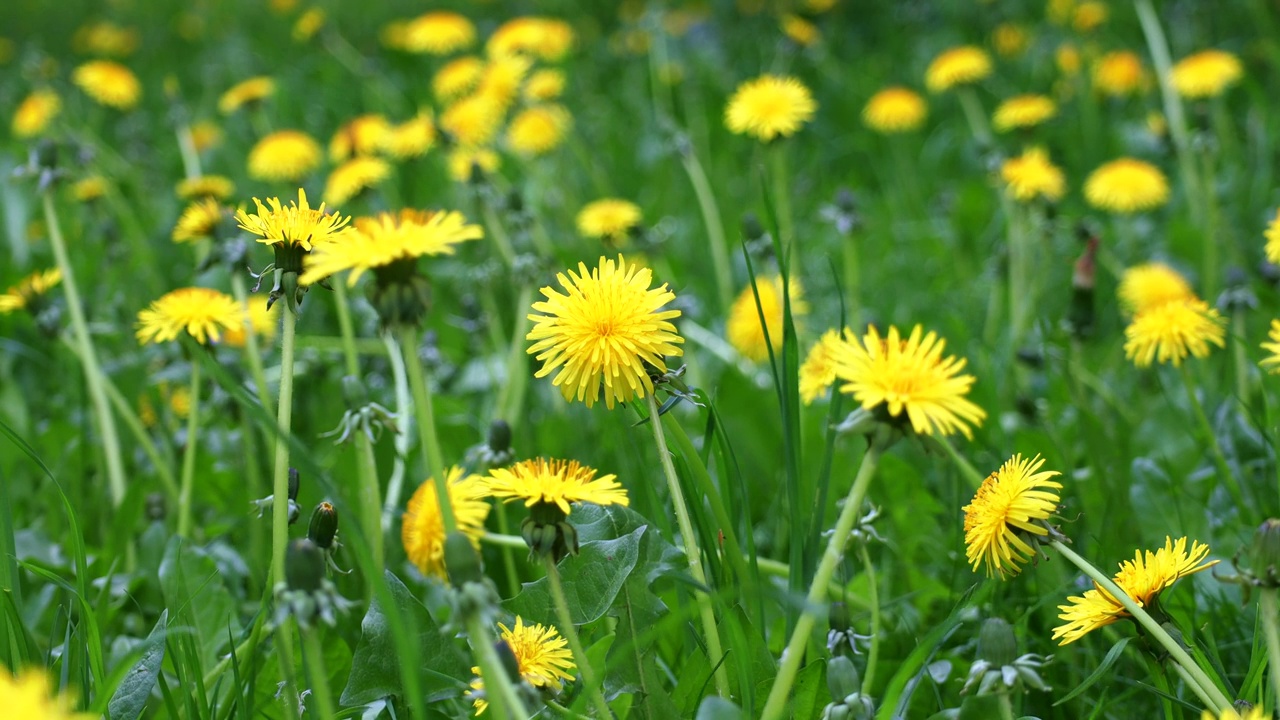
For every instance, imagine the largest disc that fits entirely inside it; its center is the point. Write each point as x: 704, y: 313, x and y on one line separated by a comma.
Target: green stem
x: 1196, y: 675
x: 1267, y: 606
x: 714, y: 225
x: 1191, y: 683
x: 570, y: 633
x: 88, y: 357
x: 314, y: 657
x: 966, y: 468
x: 782, y: 197
x: 284, y: 422
x: 1209, y: 232
x: 780, y: 694
x: 498, y: 688
x: 873, y: 653
x: 404, y: 419
x: 284, y: 656
x: 187, y: 148
x: 245, y: 649
x: 252, y: 352
x: 189, y: 454
x: 1020, y: 299
x: 498, y: 233
x: 1219, y: 458
x: 370, y: 491
x: 1006, y: 706
x: 973, y: 113
x: 511, y: 394
x: 1240, y: 354
x: 852, y: 279
x: 433, y: 460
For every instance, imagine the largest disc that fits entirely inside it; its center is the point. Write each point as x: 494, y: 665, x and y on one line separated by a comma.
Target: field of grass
x: 768, y: 517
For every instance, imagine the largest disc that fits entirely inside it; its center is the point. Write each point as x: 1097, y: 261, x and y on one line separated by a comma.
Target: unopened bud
x: 842, y: 678
x: 751, y: 227
x: 304, y: 566
x: 324, y: 526
x: 293, y: 483
x: 996, y: 643
x: 499, y: 436
x: 461, y: 561
x: 354, y: 392
x: 508, y: 658
x: 1264, y: 553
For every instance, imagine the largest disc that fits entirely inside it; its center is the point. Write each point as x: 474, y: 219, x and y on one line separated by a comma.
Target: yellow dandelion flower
x: 1089, y: 16
x: 28, y: 291
x: 539, y: 129
x: 411, y: 138
x: 554, y: 482
x: 217, y: 187
x: 284, y: 156
x: 894, y: 110
x: 818, y: 371
x: 263, y: 321
x: 1010, y: 39
x: 35, y: 112
x: 1059, y: 11
x: 198, y: 220
x: 543, y: 658
x: 1118, y: 73
x: 246, y: 93
x: 105, y: 38
x: 205, y: 134
x: 501, y: 79
x: 768, y: 107
x: 1254, y: 713
x: 1032, y: 175
x: 422, y: 531
x: 1271, y: 363
x: 543, y: 85
x: 298, y: 224
x: 464, y: 161
x: 364, y: 135
x: 472, y: 121
x: 109, y: 83
x: 607, y: 330
x: 437, y: 33
x: 1011, y: 502
x: 1169, y: 332
x: 1156, y: 124
x: 743, y: 327
x: 1272, y: 235
x: 1142, y: 579
x: 1126, y: 186
x: 962, y: 65
x: 909, y: 375
x: 609, y: 219
x: 308, y: 24
x: 545, y: 38
x: 201, y: 312
x: 30, y: 695
x: 1150, y: 285
x: 800, y: 31
x: 458, y: 78
x: 1023, y: 111
x: 375, y: 242
x: 90, y: 188
x: 393, y: 34
x: 1067, y: 58
x: 1206, y: 74
x: 354, y: 177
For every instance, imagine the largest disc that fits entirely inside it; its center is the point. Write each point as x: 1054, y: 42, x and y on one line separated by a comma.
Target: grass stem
x: 189, y: 454
x: 314, y: 657
x: 1270, y: 611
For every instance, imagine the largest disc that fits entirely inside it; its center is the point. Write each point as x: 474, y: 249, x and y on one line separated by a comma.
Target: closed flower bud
x: 842, y: 678
x: 304, y: 567
x: 461, y: 561
x: 996, y: 643
x: 499, y: 436
x: 324, y: 526
x: 508, y: 658
x: 1264, y: 553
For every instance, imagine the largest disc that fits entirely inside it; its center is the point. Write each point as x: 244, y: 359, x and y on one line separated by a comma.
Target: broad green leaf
x: 979, y: 707
x: 717, y: 708
x: 130, y: 698
x: 809, y: 695
x: 591, y: 580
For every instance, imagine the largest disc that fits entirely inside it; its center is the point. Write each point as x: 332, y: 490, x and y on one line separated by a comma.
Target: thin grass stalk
x: 189, y: 455
x: 962, y: 463
x: 369, y: 491
x: 693, y: 554
x: 779, y: 175
x: 252, y: 351
x: 714, y: 226
x: 973, y: 113
x: 1020, y: 299
x: 284, y: 422
x: 314, y: 658
x: 187, y: 149
x: 570, y: 634
x: 498, y: 688
x: 88, y: 357
x: 1270, y: 611
x: 432, y: 458
x: 1210, y: 264
x: 1239, y: 352
x: 1211, y: 437
x: 776, y: 705
x: 873, y: 599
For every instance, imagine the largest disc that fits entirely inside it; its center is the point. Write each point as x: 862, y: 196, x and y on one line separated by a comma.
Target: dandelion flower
x: 1118, y: 73
x: 217, y: 187
x: 1272, y: 234
x: 284, y: 156
x: 109, y: 83
x: 246, y: 93
x: 376, y: 242
x: 543, y: 658
x: 894, y: 110
x: 544, y: 85
x: 422, y: 531
x: 28, y: 291
x: 1010, y: 39
x: 1271, y: 363
x: 606, y: 330
x: 410, y: 139
x: 205, y: 134
x: 457, y: 78
x: 818, y: 371
x: 501, y: 79
x: 1150, y: 285
x: 609, y: 219
x: 1023, y: 111
x: 30, y: 694
x: 768, y: 107
x: 437, y: 33
x: 962, y: 65
x: 198, y: 220
x: 743, y: 326
x: 105, y: 38
x: 1067, y: 58
x: 90, y: 188
x: 1169, y: 332
x: 35, y: 112
x: 308, y: 24
x: 1012, y: 501
x: 538, y: 129
x: 1254, y: 713
x: 354, y: 177
x: 1031, y: 175
x: 201, y: 312
x: 259, y: 317
x: 909, y: 375
x: 463, y: 161
x: 545, y: 38
x: 472, y: 121
x: 298, y: 224
x: 1089, y: 16
x: 1126, y: 186
x: 363, y: 135
x: 800, y: 31
x: 554, y: 482
x: 1205, y: 74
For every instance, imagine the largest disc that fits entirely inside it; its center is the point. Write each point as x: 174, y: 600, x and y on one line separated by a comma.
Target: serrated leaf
x: 591, y: 580
x: 130, y: 698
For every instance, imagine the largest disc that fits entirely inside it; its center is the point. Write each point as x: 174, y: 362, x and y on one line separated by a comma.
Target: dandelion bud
x: 1080, y: 316
x: 461, y: 561
x: 751, y: 227
x: 324, y: 526
x: 508, y: 658
x: 1264, y: 554
x: 293, y: 484
x: 842, y: 678
x: 354, y: 392
x: 499, y: 436
x: 304, y: 566
x: 996, y: 642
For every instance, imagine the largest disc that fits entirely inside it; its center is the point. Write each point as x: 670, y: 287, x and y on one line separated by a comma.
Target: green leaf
x: 897, y: 695
x: 979, y: 707
x: 809, y: 694
x: 131, y: 696
x: 591, y: 580
x: 20, y: 649
x: 1103, y: 668
x: 717, y: 708
x: 375, y: 669
x: 193, y: 590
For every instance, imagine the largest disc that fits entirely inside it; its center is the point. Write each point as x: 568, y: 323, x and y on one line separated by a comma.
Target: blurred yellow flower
x: 1150, y: 285
x: 263, y: 321
x: 30, y: 695
x: 1010, y: 39
x: 501, y: 79
x: 544, y: 85
x: 1272, y: 235
x: 1254, y: 713
x: 246, y: 94
x: 362, y: 135
x: 609, y: 219
x: 27, y: 290
x: 109, y: 83
x: 1032, y: 175
x: 818, y: 371
x: 200, y: 312
x: 472, y: 121
x: 437, y: 33
x: 546, y: 38
x: 1206, y: 74
x: 411, y: 138
x: 308, y: 24
x: 1023, y: 111
x: 800, y: 31
x: 743, y: 328
x: 90, y: 188
x: 894, y: 110
x: 539, y: 129
x: 1067, y: 58
x: 1168, y: 333
x: 353, y: 177
x: 1126, y: 186
x: 205, y: 134
x: 213, y: 186
x: 198, y: 220
x: 768, y: 107
x: 457, y: 78
x: 463, y: 161
x: 284, y: 155
x: 422, y: 530
x: 962, y: 65
x: 105, y: 38
x: 1089, y: 16
x: 1013, y: 502
x: 1118, y: 73
x: 35, y: 112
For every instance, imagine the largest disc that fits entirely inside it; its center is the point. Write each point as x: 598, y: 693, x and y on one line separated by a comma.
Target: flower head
x: 283, y: 156
x: 609, y: 219
x: 1169, y: 332
x: 259, y: 318
x: 544, y: 85
x: 542, y: 657
x: 1126, y: 186
x: 354, y: 177
x: 198, y: 220
x: 1272, y: 235
x: 379, y: 241
x: 423, y: 531
x: 1067, y: 58
x: 546, y: 38
x: 205, y: 134
x: 1271, y: 363
x: 1118, y: 73
x: 28, y: 289
x: 1205, y: 74
x: 1010, y: 39
x: 800, y: 31
x: 501, y: 79
x: 217, y: 187
x: 555, y: 482
x: 30, y: 694
x: 1150, y: 285
x: 105, y: 38
x: 35, y: 113
x: 910, y: 375
x: 362, y: 135
x: 457, y: 78
x: 1031, y: 175
x: 437, y: 33
x: 769, y: 106
x: 201, y: 312
x: 109, y: 83
x: 962, y: 65
x: 1012, y: 501
x: 1090, y: 15
x: 308, y: 24
x: 894, y: 110
x: 463, y: 161
x: 818, y: 371
x: 248, y: 92
x: 743, y: 328
x: 89, y: 189
x: 538, y: 129
x: 297, y: 224
x: 410, y: 138
x: 1254, y: 713
x: 1023, y: 111
x: 472, y: 121
x: 607, y: 330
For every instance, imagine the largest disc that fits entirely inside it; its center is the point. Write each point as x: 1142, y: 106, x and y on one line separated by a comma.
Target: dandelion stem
x: 1219, y: 458
x: 187, y: 148
x: 404, y: 419
x: 511, y: 394
x: 966, y: 468
x: 570, y: 633
x: 691, y: 551
x: 1209, y: 233
x: 88, y: 357
x: 1195, y: 688
x: 782, y: 197
x: 1239, y: 353
x: 1021, y: 300
x: 1268, y: 607
x: 1196, y: 675
x: 873, y: 653
x: 252, y: 352
x: 432, y: 459
x: 189, y: 454
x: 284, y: 421
x: 499, y: 690
x: 780, y: 694
x: 1006, y: 706
x: 314, y: 658
x: 284, y: 656
x: 973, y: 113
x: 715, y: 226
